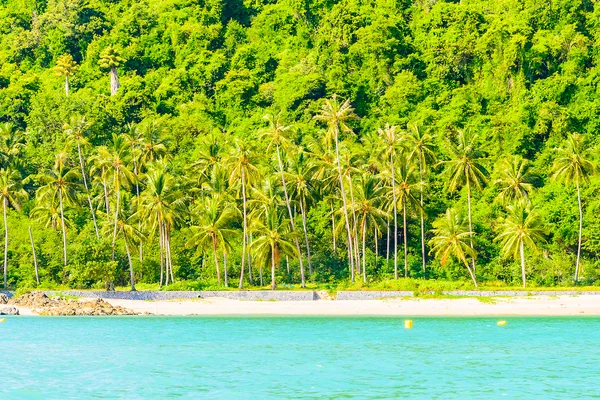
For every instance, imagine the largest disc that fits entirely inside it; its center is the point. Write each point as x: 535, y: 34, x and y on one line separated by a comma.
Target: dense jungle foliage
x: 211, y: 142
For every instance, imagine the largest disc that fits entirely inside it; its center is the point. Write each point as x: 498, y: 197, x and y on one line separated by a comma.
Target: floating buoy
x: 408, y: 324
x: 501, y: 323
x: 2, y: 319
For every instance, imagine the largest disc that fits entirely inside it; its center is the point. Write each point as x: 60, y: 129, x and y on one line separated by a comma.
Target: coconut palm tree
x: 243, y: 169
x: 60, y: 183
x: 11, y: 144
x: 110, y: 59
x: 453, y: 238
x: 274, y: 239
x: 573, y: 165
x: 161, y: 207
x: 465, y: 169
x: 421, y: 148
x: 11, y: 194
x: 522, y: 227
x: 277, y: 135
x: 213, y: 229
x: 75, y: 129
x: 65, y: 66
x: 336, y: 116
x: 515, y: 180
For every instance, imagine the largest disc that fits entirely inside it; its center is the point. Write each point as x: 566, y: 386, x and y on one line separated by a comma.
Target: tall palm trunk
x: 250, y: 278
x: 522, y: 251
x: 225, y: 269
x: 387, y: 241
x: 161, y: 252
x: 354, y: 227
x: 272, y: 267
x: 395, y: 215
x: 364, y: 240
x: 471, y: 273
x: 422, y: 212
x: 333, y: 230
x: 67, y: 86
x: 470, y: 221
x: 4, y: 206
x: 105, y: 186
x: 303, y: 212
x: 346, y: 218
x: 116, y: 220
x: 287, y: 202
x: 137, y: 194
x: 130, y: 264
x: 214, y: 243
x: 62, y: 223
x: 405, y: 237
x: 580, y: 230
x: 114, y: 81
x: 245, y: 228
x: 169, y: 258
x: 35, y: 264
x: 87, y: 191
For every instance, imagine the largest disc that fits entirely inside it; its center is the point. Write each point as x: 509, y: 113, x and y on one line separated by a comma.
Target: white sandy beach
x: 538, y: 305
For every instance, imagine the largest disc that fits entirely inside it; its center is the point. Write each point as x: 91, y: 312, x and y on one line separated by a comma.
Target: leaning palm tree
x: 274, y: 239
x: 12, y: 194
x: 452, y: 238
x: 243, y: 169
x: 65, y: 66
x: 213, y: 229
x: 277, y: 136
x: 336, y: 116
x: 110, y: 59
x: 515, y: 180
x: 421, y: 147
x: 573, y: 165
x: 75, y: 129
x: 465, y: 169
x: 522, y: 227
x: 60, y: 183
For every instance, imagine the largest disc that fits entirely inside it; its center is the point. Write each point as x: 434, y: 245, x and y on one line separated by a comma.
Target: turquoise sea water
x: 298, y: 357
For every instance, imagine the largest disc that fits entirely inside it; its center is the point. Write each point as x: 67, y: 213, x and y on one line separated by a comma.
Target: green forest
x: 190, y: 144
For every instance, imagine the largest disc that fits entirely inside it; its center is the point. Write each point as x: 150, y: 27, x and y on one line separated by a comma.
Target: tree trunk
x: 422, y: 212
x: 287, y: 202
x: 387, y: 249
x: 168, y: 240
x: 303, y: 212
x: 214, y: 243
x: 35, y: 264
x: 64, y: 230
x: 245, y: 228
x: 405, y: 237
x: 106, y: 202
x: 354, y: 227
x: 225, y: 269
x: 470, y: 221
x: 161, y: 252
x: 114, y: 81
x: 471, y: 273
x: 392, y: 166
x: 522, y: 250
x: 87, y: 191
x: 580, y: 231
x: 130, y: 264
x: 67, y: 86
x: 272, y: 268
x: 116, y: 220
x: 364, y: 240
x: 343, y: 192
x: 250, y: 278
x: 333, y: 230
x: 4, y: 205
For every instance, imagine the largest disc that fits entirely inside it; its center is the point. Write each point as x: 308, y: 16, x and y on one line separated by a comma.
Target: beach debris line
x: 41, y: 304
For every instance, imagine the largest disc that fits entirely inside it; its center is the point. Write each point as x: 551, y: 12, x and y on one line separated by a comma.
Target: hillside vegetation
x: 213, y: 142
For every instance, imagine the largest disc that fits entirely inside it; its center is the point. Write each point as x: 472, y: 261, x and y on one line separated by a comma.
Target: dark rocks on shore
x: 44, y: 305
x: 9, y: 311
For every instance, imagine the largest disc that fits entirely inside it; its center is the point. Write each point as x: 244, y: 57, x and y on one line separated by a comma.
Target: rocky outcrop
x: 9, y: 310
x: 41, y: 304
x: 3, y: 298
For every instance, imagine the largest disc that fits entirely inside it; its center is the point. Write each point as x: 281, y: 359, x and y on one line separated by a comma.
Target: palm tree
x: 65, y: 66
x: 11, y: 143
x: 110, y: 59
x: 421, y: 147
x: 213, y: 228
x: 515, y: 180
x: 243, y: 169
x: 277, y: 138
x: 573, y: 165
x: 11, y: 194
x: 450, y: 239
x: 391, y: 141
x: 273, y: 241
x: 62, y: 183
x: 337, y: 116
x: 464, y: 169
x: 521, y: 227
x: 75, y: 130
x: 161, y: 207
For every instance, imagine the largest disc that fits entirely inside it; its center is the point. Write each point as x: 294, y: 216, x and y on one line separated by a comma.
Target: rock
x: 9, y: 311
x: 44, y: 305
x: 3, y: 298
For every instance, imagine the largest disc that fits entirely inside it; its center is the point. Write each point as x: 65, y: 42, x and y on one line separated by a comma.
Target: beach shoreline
x: 572, y: 305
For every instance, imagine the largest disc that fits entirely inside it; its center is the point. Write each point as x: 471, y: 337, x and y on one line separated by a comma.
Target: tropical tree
x: 65, y: 66
x: 110, y: 60
x: 273, y: 240
x: 515, y: 180
x: 12, y: 194
x: 573, y: 165
x: 465, y: 169
x: 523, y: 226
x: 420, y: 145
x: 336, y: 116
x: 11, y: 144
x: 452, y: 237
